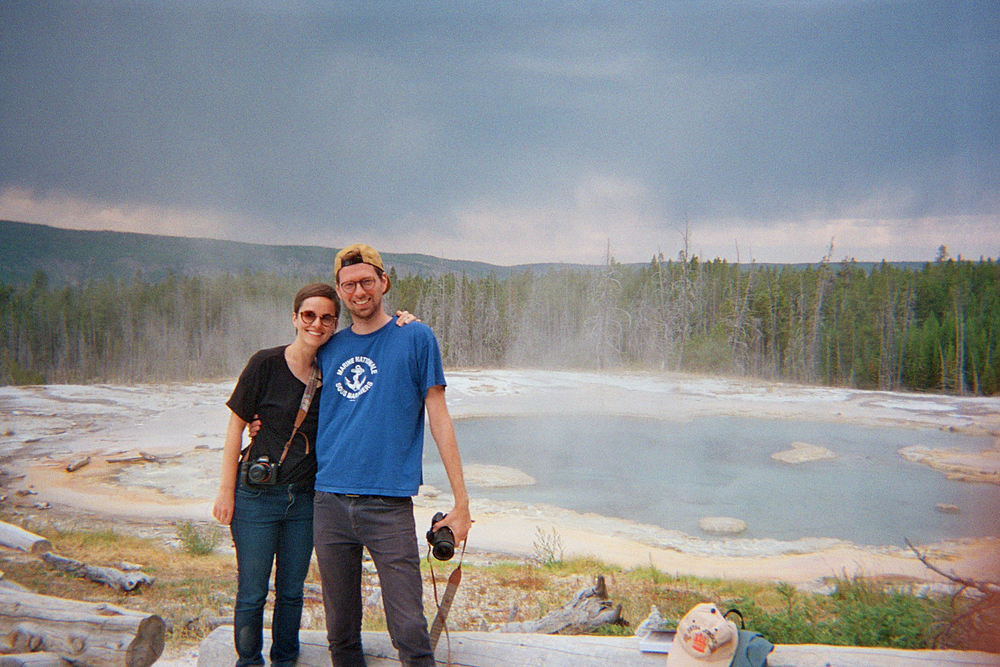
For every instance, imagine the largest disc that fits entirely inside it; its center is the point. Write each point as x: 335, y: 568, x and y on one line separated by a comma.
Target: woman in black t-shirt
x: 271, y: 522
x: 270, y: 516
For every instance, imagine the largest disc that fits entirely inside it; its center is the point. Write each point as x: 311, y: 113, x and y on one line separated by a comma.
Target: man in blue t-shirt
x: 378, y: 380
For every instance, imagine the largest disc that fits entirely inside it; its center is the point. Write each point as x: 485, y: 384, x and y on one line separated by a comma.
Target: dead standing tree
x: 742, y: 328
x: 608, y: 322
x: 685, y: 307
x: 811, y: 360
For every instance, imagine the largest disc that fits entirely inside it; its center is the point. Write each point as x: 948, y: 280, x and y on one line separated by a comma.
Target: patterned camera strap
x: 444, y: 605
x: 307, y: 396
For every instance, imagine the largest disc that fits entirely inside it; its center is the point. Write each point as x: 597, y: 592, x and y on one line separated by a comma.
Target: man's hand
x: 459, y: 520
x: 443, y: 432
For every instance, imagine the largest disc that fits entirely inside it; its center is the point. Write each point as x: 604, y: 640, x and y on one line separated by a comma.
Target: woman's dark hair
x: 317, y: 289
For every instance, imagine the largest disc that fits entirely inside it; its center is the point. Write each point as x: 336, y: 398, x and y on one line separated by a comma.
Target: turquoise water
x: 671, y: 474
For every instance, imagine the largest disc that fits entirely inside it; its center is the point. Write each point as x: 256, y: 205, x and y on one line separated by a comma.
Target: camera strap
x: 444, y: 604
x: 315, y: 376
x: 315, y: 380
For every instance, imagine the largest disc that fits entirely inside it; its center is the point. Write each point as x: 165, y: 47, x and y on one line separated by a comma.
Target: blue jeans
x: 271, y: 525
x: 344, y: 524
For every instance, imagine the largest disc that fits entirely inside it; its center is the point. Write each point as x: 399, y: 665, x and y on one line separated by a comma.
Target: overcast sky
x: 511, y: 132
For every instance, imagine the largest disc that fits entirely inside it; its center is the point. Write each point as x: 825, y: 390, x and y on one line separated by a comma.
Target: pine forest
x: 933, y: 329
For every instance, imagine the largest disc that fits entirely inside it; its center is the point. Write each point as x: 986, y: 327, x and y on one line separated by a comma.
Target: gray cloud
x: 376, y: 115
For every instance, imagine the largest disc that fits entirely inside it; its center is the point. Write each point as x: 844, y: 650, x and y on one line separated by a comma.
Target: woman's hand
x: 405, y: 317
x: 222, y: 510
x: 225, y: 501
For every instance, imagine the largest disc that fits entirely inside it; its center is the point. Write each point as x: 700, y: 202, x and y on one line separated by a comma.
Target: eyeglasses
x: 351, y: 285
x: 309, y: 317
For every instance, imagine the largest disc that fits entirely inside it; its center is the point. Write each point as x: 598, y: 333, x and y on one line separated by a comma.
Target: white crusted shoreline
x: 41, y: 427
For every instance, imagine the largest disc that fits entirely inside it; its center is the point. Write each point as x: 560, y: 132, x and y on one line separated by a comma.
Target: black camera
x: 442, y: 541
x: 262, y: 472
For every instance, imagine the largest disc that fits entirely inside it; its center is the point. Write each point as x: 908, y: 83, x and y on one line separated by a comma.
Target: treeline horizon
x: 836, y: 324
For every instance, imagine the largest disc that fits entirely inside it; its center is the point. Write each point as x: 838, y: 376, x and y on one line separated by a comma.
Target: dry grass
x: 193, y: 593
x: 188, y: 589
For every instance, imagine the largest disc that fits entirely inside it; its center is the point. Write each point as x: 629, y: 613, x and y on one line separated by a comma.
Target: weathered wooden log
x: 139, y: 457
x: 13, y: 586
x: 811, y: 655
x: 493, y: 649
x: 467, y: 649
x: 126, y: 566
x: 86, y: 634
x: 40, y: 659
x: 109, y: 576
x: 589, y: 609
x: 76, y: 464
x: 16, y: 537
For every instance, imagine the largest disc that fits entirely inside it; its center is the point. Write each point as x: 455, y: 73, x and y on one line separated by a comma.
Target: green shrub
x: 198, y: 540
x: 13, y: 373
x: 857, y: 613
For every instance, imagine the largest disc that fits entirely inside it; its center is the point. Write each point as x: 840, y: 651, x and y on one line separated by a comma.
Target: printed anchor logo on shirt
x: 355, y: 377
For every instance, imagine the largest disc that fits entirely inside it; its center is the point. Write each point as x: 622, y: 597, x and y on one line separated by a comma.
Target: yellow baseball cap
x: 367, y: 254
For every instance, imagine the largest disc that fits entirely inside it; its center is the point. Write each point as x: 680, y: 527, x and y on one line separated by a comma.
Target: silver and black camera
x: 262, y: 472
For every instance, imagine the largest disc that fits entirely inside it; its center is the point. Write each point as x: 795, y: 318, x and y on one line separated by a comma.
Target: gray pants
x: 342, y: 525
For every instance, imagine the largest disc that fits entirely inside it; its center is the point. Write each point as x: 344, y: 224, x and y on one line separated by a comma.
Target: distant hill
x: 68, y: 255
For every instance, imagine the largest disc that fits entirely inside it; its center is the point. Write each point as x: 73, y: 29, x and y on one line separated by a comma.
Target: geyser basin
x: 671, y: 474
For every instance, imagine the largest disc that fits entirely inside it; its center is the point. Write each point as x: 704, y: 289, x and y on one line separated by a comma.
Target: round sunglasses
x: 308, y: 317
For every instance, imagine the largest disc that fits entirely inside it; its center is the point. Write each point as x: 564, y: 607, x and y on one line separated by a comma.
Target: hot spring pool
x: 671, y: 474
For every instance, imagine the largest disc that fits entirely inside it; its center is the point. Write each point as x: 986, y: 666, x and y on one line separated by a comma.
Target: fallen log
x: 109, y: 576
x: 467, y: 649
x: 139, y: 457
x: 493, y: 649
x: 40, y: 659
x: 86, y: 634
x: 814, y: 655
x: 589, y: 609
x: 13, y: 586
x: 16, y: 537
x: 75, y: 465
